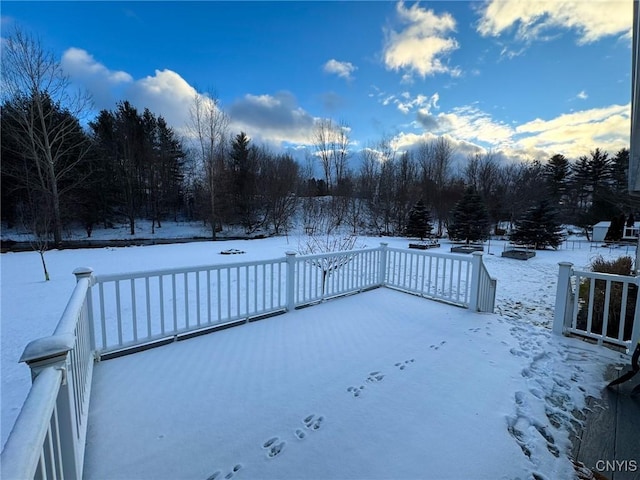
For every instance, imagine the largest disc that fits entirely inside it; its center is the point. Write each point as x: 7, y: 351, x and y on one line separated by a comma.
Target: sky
x: 522, y: 80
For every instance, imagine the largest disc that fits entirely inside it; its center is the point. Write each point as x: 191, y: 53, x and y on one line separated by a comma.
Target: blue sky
x: 521, y: 79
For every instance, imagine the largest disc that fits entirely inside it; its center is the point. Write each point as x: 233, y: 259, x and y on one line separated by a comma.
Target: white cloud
x: 573, y: 134
x: 468, y: 123
x: 342, y: 69
x: 76, y: 61
x: 166, y: 93
x: 423, y: 45
x: 590, y: 19
x: 275, y: 119
x: 420, y: 101
x: 582, y: 95
x: 407, y: 104
x: 102, y: 83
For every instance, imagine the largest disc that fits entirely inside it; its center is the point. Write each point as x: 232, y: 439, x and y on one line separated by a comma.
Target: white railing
x: 111, y: 313
x: 137, y: 308
x: 48, y: 438
x: 458, y: 279
x: 322, y: 276
x: 147, y: 307
x: 600, y: 306
x: 486, y: 286
x: 438, y: 276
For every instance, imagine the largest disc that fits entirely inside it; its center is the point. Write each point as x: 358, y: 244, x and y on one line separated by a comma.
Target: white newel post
x: 382, y: 274
x: 54, y: 352
x: 562, y: 297
x: 291, y: 281
x: 476, y: 262
x: 87, y: 272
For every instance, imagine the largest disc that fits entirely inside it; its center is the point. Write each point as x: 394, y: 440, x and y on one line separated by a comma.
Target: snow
x: 479, y: 395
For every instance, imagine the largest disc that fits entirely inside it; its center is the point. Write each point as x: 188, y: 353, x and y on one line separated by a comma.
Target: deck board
x: 612, y: 432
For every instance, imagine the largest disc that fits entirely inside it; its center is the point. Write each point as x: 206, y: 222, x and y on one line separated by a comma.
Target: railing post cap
x: 565, y: 264
x: 48, y: 349
x: 290, y: 253
x: 384, y: 244
x: 476, y: 253
x: 83, y: 271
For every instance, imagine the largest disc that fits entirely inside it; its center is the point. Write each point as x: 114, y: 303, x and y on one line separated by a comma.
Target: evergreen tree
x: 539, y: 226
x: 557, y: 173
x: 419, y: 224
x: 243, y: 167
x: 470, y: 219
x: 612, y: 231
x: 622, y: 220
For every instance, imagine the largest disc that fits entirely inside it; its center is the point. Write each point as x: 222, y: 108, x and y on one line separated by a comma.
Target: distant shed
x: 600, y: 231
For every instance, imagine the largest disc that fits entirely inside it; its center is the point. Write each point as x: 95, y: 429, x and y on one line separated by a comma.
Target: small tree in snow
x: 36, y: 219
x: 470, y: 219
x: 334, y: 244
x: 419, y: 224
x: 539, y: 226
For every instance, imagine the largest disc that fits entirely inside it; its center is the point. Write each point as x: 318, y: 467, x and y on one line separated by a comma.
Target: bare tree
x: 43, y: 111
x: 34, y: 213
x: 382, y: 206
x: 331, y: 142
x: 443, y: 154
x: 209, y: 124
x: 321, y: 141
x: 280, y: 179
x: 336, y: 246
x: 369, y: 172
x: 340, y: 152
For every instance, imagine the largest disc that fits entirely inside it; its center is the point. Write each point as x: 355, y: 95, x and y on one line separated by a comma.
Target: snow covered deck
x: 359, y: 387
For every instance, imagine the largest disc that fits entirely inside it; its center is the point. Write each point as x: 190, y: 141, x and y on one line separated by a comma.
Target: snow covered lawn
x: 447, y: 393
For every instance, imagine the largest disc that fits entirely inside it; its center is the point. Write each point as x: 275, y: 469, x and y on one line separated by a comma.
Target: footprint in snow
x: 312, y: 422
x: 526, y: 373
x: 403, y: 365
x: 437, y: 347
x: 518, y: 353
x: 273, y: 446
x: 551, y: 443
x: 355, y: 391
x: 235, y: 469
x: 217, y: 474
x: 300, y: 434
x: 375, y: 377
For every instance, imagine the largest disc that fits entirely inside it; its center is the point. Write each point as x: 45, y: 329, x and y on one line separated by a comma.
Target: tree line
x: 127, y: 164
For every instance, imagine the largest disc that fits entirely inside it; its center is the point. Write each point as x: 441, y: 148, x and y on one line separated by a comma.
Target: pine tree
x: 539, y: 226
x: 612, y: 231
x: 470, y: 219
x: 419, y: 224
x: 243, y: 167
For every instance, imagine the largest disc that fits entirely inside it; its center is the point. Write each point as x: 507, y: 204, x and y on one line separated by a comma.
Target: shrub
x: 620, y: 266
